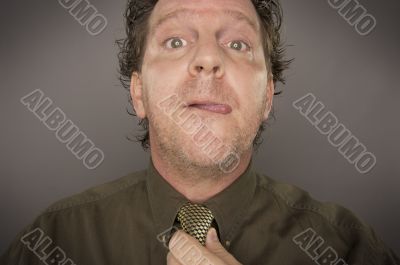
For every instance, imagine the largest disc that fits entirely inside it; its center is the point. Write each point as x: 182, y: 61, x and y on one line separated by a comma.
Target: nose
x: 207, y: 60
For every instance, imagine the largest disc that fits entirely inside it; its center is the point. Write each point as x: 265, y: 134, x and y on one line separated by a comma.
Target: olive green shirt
x: 259, y: 221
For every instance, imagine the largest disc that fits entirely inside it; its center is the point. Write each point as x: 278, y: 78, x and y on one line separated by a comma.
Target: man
x: 201, y: 75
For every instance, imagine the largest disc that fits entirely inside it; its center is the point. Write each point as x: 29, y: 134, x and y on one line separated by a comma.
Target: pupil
x: 176, y: 43
x: 236, y: 46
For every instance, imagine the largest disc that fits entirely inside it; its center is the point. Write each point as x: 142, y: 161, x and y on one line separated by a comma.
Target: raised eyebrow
x: 232, y: 13
x: 242, y: 17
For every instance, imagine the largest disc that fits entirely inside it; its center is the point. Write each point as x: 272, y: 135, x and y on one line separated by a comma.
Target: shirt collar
x: 228, y: 206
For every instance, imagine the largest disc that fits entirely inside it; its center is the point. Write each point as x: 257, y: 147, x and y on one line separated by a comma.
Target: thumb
x: 213, y: 245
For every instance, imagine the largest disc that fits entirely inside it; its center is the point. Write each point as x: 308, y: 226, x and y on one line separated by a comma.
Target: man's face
x: 210, y: 53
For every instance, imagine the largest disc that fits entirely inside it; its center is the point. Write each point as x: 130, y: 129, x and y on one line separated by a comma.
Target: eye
x: 175, y: 43
x: 239, y: 45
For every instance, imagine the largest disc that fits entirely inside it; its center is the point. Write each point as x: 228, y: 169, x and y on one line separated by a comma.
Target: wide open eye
x: 239, y: 45
x: 175, y: 43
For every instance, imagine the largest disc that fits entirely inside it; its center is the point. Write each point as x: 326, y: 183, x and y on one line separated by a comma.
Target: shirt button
x: 228, y: 243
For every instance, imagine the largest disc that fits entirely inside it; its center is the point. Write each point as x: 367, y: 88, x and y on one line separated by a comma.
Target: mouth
x: 211, y: 107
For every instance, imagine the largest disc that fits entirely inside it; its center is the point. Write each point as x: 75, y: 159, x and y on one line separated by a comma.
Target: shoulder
x: 334, y: 224
x: 103, y: 192
x: 294, y: 199
x: 90, y: 215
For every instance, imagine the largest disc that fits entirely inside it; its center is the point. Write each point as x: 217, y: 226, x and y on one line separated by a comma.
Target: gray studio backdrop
x: 72, y: 62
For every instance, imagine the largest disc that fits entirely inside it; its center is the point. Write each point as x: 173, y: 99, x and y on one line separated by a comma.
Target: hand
x: 186, y: 250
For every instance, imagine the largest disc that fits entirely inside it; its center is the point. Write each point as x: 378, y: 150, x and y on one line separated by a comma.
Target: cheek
x: 250, y: 87
x: 160, y: 80
x: 250, y: 77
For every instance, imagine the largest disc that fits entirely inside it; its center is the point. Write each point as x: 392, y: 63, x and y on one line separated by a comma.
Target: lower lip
x: 216, y: 108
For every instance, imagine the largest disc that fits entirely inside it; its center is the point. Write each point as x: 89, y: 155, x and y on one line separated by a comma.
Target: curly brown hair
x: 132, y: 48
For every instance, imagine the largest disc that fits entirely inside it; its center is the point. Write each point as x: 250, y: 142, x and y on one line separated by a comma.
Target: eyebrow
x: 231, y: 13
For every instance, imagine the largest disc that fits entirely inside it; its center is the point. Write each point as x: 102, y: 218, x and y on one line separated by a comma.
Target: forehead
x: 238, y: 9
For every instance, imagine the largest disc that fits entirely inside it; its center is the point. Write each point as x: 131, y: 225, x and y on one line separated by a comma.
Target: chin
x: 197, y: 156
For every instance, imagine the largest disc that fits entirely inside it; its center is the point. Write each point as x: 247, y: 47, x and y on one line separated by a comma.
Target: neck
x: 200, y: 186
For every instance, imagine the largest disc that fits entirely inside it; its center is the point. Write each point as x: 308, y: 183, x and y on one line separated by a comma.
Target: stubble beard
x: 178, y: 149
x: 180, y: 152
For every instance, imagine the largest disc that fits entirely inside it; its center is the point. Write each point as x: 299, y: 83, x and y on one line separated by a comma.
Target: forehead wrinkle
x: 237, y: 15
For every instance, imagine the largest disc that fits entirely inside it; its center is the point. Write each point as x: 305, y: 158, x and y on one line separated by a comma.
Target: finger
x: 213, y: 245
x: 187, y: 250
x: 171, y: 260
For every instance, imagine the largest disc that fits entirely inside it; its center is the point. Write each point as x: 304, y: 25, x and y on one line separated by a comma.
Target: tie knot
x: 195, y: 220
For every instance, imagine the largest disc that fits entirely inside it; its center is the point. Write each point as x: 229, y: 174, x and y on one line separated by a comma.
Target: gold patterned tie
x: 195, y: 220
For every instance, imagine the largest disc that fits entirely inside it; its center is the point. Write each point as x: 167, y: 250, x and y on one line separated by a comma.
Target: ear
x: 270, y: 96
x: 136, y: 90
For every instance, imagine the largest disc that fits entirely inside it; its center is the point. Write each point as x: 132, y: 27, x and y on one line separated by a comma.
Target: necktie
x: 195, y: 220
